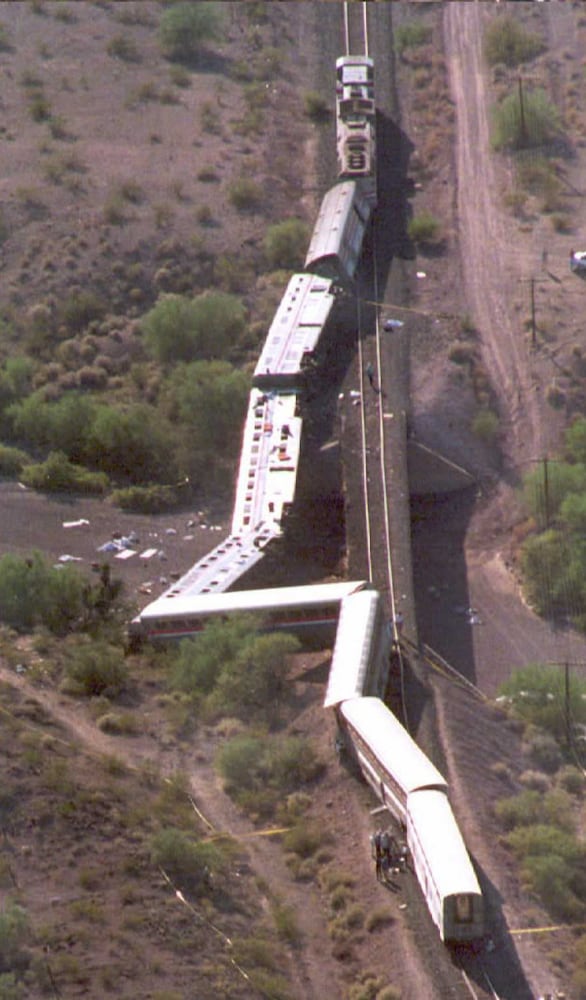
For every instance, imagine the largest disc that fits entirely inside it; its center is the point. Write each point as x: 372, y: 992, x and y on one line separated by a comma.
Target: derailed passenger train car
x: 406, y: 782
x: 360, y: 661
x: 336, y: 242
x: 443, y: 867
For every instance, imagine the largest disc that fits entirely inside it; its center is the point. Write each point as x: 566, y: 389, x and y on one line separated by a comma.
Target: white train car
x: 443, y: 867
x: 389, y: 759
x: 360, y: 660
x: 295, y: 332
x: 356, y: 119
x: 310, y: 612
x: 269, y: 460
x: 336, y: 242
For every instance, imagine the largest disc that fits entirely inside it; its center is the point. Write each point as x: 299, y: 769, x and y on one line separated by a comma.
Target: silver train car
x: 392, y: 763
x: 356, y: 120
x: 360, y: 661
x: 295, y: 332
x: 415, y: 792
x: 335, y: 247
x: 443, y: 868
x: 310, y: 612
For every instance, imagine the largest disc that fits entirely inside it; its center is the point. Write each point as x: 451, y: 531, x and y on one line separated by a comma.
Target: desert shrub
x: 258, y: 770
x: 252, y: 684
x: 285, y: 923
x: 545, y: 489
x: 553, y: 866
x: 122, y: 47
x: 135, y: 442
x: 245, y: 194
x: 537, y: 781
x: 545, y: 752
x: 34, y: 593
x: 186, y: 861
x: 381, y: 917
x: 255, y: 951
x: 462, y: 353
x: 553, y: 572
x: 303, y: 839
x: 12, y: 460
x: 409, y: 36
x: 181, y: 329
x: 14, y: 934
x: 285, y: 244
x: 531, y: 807
x: 119, y: 723
x: 10, y: 988
x: 579, y: 974
x: 537, y: 695
x: 424, y: 228
x: 534, y: 123
x: 186, y: 28
x: 208, y: 400
x: 58, y: 475
x: 146, y: 499
x: 61, y: 426
x: 315, y: 107
x: 486, y: 425
x: 80, y: 309
x: 571, y: 779
x: 96, y: 668
x: 197, y: 663
x: 5, y: 43
x: 506, y: 41
x: 131, y: 191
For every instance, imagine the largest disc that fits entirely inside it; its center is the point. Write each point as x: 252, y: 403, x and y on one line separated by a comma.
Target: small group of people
x: 387, y: 853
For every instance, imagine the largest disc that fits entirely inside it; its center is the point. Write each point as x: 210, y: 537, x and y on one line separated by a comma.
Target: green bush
x: 409, y: 36
x: 245, y: 194
x: 96, y: 668
x: 537, y: 695
x: 534, y: 122
x: 14, y: 935
x: 178, y: 328
x: 80, y: 308
x: 553, y: 864
x: 486, y: 426
x: 187, y: 862
x: 58, y: 475
x: 424, y: 228
x: 285, y: 244
x: 121, y: 47
x: 33, y: 593
x: 146, y: 499
x: 12, y: 461
x: 186, y: 28
x: 315, y: 107
x: 506, y: 41
x: 259, y: 770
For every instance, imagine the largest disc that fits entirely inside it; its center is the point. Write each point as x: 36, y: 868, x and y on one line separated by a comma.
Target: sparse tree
x: 186, y: 28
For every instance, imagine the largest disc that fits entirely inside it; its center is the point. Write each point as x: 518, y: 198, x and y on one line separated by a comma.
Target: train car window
x: 463, y: 913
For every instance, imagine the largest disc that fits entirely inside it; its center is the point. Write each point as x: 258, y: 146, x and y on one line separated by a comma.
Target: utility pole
x: 522, y: 114
x: 546, y: 491
x: 567, y: 704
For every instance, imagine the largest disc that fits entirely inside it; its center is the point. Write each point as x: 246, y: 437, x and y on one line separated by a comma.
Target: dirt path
x: 492, y: 259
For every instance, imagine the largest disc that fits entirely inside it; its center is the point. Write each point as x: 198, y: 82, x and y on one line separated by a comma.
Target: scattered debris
x: 76, y: 524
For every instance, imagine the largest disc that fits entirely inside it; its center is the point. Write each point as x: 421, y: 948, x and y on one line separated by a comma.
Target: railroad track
x: 356, y: 28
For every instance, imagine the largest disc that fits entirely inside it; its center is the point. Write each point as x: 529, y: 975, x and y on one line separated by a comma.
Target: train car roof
x: 391, y: 744
x: 186, y: 606
x: 442, y: 843
x: 269, y: 460
x: 352, y: 647
x: 296, y: 326
x: 339, y: 228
